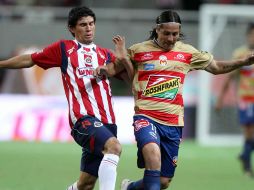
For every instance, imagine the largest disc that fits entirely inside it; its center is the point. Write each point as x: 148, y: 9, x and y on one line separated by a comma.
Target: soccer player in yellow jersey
x: 160, y: 65
x: 245, y: 82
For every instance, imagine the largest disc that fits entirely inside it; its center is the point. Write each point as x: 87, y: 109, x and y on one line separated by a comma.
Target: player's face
x: 168, y: 34
x: 84, y: 30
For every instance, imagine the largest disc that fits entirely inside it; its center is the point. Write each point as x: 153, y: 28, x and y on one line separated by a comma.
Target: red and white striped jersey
x: 86, y: 94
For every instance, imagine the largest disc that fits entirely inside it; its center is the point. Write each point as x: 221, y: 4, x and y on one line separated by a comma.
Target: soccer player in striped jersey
x: 245, y: 86
x: 91, y: 113
x: 160, y: 66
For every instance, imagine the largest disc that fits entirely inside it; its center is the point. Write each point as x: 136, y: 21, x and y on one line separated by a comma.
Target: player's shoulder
x: 140, y: 44
x: 185, y: 47
x: 101, y: 48
x: 143, y: 46
x: 103, y: 51
x: 67, y: 42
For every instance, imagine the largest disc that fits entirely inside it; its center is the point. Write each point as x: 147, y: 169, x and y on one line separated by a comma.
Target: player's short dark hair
x: 78, y: 12
x: 250, y: 27
x: 165, y: 17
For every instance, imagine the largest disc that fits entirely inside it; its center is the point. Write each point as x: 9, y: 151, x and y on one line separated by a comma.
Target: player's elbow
x: 215, y: 68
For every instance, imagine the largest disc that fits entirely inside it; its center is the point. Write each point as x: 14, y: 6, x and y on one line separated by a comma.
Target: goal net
x: 222, y: 29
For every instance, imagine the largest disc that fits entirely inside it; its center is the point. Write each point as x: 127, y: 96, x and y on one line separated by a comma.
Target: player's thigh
x: 92, y: 134
x: 170, y: 141
x: 148, y: 141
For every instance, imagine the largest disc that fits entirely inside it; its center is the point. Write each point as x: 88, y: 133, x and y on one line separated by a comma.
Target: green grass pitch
x: 54, y: 166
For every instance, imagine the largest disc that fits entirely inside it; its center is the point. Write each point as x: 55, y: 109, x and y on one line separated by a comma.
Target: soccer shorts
x: 167, y: 137
x: 246, y: 114
x: 91, y: 134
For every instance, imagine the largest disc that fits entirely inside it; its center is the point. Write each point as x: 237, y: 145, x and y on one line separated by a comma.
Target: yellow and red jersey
x: 246, y: 76
x: 159, y: 78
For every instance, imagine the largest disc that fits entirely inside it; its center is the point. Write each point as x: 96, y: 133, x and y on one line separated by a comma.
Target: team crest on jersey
x: 88, y: 60
x: 163, y: 60
x: 160, y: 86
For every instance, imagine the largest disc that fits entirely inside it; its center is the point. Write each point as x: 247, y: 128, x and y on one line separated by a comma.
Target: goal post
x: 221, y: 30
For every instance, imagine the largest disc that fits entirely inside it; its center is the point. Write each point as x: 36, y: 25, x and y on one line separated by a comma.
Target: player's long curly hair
x: 165, y: 17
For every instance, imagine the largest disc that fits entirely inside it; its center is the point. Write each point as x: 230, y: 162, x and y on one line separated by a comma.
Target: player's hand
x: 100, y: 71
x: 120, y: 49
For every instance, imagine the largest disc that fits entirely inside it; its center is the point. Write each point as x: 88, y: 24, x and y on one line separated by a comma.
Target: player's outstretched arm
x: 220, y: 67
x: 17, y: 62
x: 122, y: 61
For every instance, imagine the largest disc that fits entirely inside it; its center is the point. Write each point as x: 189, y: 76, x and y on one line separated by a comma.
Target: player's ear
x: 71, y: 29
x: 157, y: 29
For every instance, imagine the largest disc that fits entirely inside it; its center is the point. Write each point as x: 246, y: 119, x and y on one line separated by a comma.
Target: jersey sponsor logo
x: 146, y: 56
x: 165, y: 87
x: 180, y: 57
x: 98, y: 124
x: 85, y: 72
x: 70, y: 50
x: 163, y: 60
x: 141, y: 123
x: 148, y: 66
x: 86, y: 50
x: 101, y: 55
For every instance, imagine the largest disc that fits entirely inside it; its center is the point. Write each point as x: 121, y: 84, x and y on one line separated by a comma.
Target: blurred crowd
x: 62, y: 3
x: 163, y: 4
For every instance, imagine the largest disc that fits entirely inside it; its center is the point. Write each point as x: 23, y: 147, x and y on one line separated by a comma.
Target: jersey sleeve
x: 49, y: 57
x: 111, y: 58
x: 200, y: 60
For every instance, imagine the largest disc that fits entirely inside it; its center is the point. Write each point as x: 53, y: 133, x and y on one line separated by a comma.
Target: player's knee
x: 113, y: 146
x: 165, y: 182
x: 152, y: 156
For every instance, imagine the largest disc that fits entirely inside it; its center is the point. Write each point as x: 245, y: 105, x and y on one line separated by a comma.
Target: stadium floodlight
x: 221, y: 30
